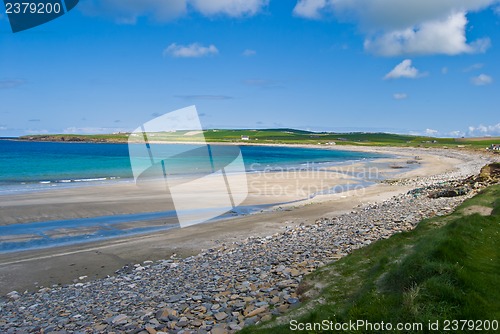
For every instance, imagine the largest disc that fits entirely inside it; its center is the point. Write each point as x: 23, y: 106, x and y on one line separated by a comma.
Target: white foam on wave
x: 91, y: 180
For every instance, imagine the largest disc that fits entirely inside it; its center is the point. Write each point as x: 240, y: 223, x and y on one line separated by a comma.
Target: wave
x: 94, y: 179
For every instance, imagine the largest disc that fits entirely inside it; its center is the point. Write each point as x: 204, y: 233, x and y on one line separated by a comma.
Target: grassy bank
x: 287, y: 136
x: 447, y: 268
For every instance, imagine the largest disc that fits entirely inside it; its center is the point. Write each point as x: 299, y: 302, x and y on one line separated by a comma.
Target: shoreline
x: 255, y: 263
x: 66, y: 231
x: 98, y: 259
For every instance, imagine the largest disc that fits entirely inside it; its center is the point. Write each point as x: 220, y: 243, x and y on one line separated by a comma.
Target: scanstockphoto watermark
x: 312, y: 169
x: 27, y: 14
x: 204, y: 181
x: 311, y: 179
x: 445, y: 325
x: 357, y: 325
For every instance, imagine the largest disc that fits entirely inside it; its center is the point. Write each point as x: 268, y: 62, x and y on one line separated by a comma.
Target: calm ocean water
x: 37, y: 165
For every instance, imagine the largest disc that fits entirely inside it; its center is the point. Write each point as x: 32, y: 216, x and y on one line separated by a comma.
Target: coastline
x: 219, y: 275
x: 32, y: 269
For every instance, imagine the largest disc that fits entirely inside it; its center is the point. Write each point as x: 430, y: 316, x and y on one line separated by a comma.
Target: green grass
x: 291, y: 136
x: 447, y: 268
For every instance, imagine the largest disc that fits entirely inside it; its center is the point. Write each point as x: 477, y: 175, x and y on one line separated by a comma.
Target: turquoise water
x: 38, y: 165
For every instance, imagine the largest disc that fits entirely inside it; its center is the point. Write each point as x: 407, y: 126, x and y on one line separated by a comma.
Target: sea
x: 31, y: 166
x: 45, y: 166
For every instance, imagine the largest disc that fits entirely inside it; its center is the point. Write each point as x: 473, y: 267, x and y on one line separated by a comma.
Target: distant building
x: 245, y: 138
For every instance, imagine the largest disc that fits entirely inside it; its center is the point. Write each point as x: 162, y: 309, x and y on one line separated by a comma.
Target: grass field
x: 289, y: 136
x: 447, y: 268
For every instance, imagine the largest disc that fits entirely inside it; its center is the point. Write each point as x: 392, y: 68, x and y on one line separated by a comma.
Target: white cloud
x: 249, y: 53
x: 403, y: 70
x: 400, y: 96
x: 456, y: 133
x: 431, y: 132
x: 484, y: 130
x: 128, y: 11
x: 194, y: 50
x: 444, y: 70
x: 482, y: 80
x: 472, y: 131
x: 234, y: 8
x: 310, y: 9
x: 433, y: 37
x: 396, y: 27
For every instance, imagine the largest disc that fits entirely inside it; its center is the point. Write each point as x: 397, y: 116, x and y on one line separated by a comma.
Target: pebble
x: 257, y: 311
x: 14, y: 295
x: 221, y: 316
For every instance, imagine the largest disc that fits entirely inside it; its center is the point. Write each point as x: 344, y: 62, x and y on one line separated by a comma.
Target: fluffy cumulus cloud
x: 403, y: 70
x: 396, y: 27
x: 194, y: 50
x: 482, y: 80
x: 310, y: 8
x: 484, y: 130
x: 128, y: 11
x: 445, y: 36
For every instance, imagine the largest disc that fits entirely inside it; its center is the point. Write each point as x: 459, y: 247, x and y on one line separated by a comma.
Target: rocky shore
x: 226, y: 288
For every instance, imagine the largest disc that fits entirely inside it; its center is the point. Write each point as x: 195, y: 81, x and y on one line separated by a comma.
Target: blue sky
x: 420, y: 67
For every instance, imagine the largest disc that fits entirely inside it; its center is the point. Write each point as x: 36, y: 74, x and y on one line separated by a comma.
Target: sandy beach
x: 30, y: 270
